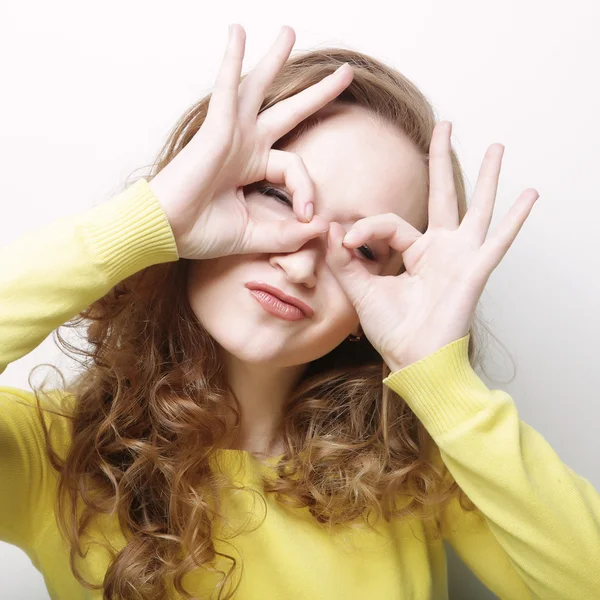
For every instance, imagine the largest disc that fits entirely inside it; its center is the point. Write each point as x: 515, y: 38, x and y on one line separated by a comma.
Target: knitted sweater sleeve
x: 47, y: 277
x: 536, y: 530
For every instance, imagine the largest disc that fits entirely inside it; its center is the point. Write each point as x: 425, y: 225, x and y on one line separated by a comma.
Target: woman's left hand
x: 409, y: 316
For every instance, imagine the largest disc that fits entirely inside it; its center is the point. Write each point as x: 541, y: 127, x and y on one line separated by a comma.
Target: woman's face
x: 358, y: 165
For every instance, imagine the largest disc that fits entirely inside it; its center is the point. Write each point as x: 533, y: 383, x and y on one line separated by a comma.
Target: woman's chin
x: 253, y: 351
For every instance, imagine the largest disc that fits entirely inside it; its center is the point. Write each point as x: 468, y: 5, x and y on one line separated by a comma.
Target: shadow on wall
x: 462, y: 583
x: 19, y: 579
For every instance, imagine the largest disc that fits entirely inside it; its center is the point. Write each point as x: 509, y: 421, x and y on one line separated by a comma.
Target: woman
x: 269, y: 407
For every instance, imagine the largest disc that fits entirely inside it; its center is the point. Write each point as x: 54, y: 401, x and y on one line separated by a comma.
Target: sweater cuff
x: 442, y: 389
x: 130, y: 232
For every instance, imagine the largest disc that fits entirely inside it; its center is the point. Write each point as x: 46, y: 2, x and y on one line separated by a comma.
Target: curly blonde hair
x: 145, y: 422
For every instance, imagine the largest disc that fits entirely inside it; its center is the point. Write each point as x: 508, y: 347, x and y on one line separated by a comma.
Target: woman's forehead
x: 361, y: 166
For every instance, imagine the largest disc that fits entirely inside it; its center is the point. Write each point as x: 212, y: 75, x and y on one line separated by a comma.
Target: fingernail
x: 350, y: 237
x: 309, y: 210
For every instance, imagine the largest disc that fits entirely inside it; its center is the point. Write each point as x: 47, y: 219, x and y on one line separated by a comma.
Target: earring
x: 355, y: 338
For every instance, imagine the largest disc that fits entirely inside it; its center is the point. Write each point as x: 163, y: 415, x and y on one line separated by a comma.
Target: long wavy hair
x: 145, y: 420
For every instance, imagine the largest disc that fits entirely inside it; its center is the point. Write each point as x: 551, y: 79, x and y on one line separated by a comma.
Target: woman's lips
x: 277, y: 307
x: 280, y: 295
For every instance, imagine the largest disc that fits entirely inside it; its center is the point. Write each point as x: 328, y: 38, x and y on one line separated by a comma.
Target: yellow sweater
x: 536, y: 533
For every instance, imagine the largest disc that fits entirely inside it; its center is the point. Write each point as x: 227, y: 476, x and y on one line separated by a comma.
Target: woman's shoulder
x: 19, y: 413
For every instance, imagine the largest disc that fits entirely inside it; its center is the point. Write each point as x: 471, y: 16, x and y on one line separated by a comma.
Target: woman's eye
x: 269, y: 191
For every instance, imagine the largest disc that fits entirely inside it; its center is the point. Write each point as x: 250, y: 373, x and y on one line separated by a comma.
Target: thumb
x: 281, y: 236
x: 352, y: 275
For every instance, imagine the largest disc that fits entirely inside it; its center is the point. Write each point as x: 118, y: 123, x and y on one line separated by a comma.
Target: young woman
x: 277, y: 397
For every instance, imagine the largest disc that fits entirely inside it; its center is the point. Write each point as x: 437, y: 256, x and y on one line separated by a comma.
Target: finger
x: 443, y: 203
x: 398, y: 233
x: 494, y: 248
x: 278, y: 236
x: 222, y: 107
x: 282, y: 117
x: 253, y: 88
x: 352, y: 275
x: 289, y: 168
x: 477, y: 220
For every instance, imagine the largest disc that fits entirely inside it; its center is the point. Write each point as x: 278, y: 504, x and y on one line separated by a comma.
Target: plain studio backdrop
x: 91, y: 92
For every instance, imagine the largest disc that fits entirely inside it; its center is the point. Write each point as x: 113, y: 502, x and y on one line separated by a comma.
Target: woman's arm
x: 46, y: 278
x: 536, y: 533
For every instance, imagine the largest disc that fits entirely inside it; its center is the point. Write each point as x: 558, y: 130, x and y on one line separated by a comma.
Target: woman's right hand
x: 201, y: 188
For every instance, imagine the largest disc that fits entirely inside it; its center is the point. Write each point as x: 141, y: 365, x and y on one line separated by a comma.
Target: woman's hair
x: 146, y: 421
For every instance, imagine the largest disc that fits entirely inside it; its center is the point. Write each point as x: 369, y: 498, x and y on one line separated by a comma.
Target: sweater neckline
x: 247, y: 455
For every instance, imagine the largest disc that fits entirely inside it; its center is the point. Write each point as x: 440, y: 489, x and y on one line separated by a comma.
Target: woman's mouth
x: 277, y: 307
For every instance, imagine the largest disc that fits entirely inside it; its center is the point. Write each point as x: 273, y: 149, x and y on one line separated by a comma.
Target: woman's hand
x: 431, y: 304
x: 201, y: 189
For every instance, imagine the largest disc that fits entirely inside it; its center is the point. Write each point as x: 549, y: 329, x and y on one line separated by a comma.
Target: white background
x: 92, y: 90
